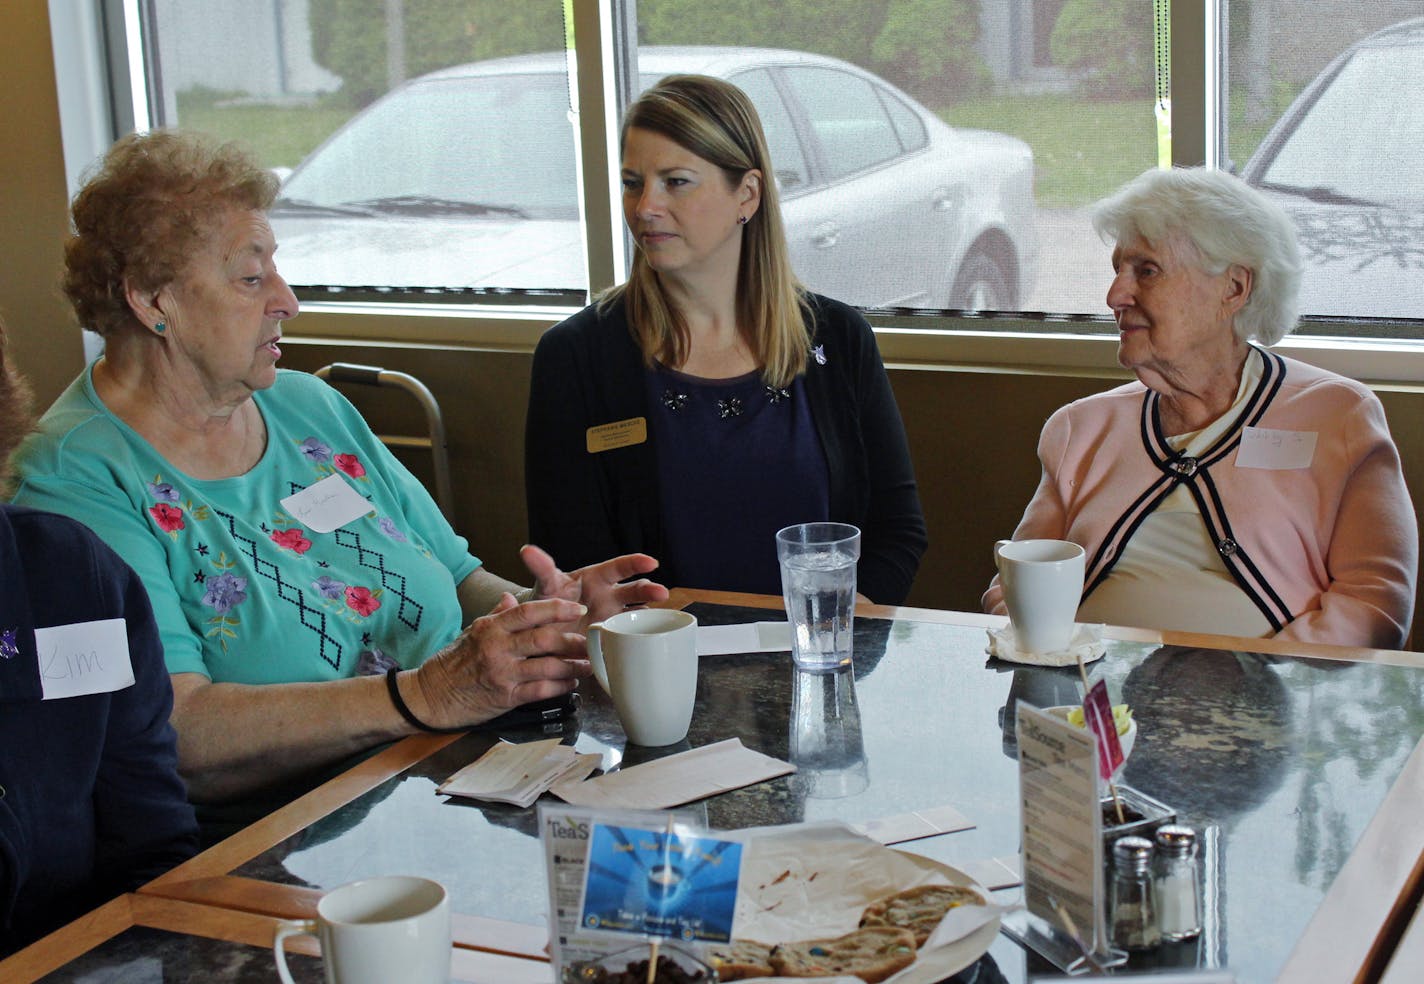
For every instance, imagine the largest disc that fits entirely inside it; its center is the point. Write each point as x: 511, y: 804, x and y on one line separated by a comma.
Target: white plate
x: 874, y: 872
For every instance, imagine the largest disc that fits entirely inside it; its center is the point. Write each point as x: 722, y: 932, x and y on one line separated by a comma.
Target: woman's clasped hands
x: 531, y: 650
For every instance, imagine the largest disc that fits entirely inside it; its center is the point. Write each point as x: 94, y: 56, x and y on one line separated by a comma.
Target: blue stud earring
x: 160, y: 327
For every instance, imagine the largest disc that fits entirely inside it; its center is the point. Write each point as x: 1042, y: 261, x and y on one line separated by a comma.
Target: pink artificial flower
x: 350, y: 464
x: 361, y: 601
x: 168, y: 518
x: 292, y: 539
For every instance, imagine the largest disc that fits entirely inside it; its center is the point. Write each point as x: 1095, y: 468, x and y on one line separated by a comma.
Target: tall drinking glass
x: 818, y: 584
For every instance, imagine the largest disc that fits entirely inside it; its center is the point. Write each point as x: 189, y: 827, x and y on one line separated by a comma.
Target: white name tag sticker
x: 328, y: 505
x: 84, y: 658
x: 1278, y: 450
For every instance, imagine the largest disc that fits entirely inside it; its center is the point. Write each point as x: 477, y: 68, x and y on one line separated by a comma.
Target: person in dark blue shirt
x: 91, y: 804
x: 711, y: 400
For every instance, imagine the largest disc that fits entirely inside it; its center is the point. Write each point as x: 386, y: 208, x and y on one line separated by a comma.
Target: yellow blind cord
x: 1162, y: 51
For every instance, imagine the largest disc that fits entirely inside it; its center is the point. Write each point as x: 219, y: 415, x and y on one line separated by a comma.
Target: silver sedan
x: 466, y: 178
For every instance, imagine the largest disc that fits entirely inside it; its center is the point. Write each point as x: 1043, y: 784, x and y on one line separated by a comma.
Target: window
x: 1326, y: 121
x: 933, y: 155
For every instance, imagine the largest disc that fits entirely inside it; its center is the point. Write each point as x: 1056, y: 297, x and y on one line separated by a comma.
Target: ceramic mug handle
x: 593, y: 637
x: 285, y: 928
x: 999, y: 545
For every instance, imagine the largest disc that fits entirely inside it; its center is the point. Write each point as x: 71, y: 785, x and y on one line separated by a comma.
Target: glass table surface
x: 1279, y: 763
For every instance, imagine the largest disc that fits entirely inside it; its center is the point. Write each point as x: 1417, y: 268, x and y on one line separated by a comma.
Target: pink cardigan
x: 1328, y: 553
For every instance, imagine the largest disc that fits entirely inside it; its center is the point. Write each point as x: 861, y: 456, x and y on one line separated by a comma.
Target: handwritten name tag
x: 328, y: 505
x: 84, y: 658
x: 619, y: 434
x: 1279, y: 450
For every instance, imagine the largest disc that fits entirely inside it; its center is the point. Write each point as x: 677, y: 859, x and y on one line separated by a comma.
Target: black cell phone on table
x: 549, y: 715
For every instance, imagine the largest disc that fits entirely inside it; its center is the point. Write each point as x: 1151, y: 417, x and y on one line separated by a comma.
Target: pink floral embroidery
x: 292, y: 540
x: 350, y: 464
x: 361, y: 601
x: 168, y: 518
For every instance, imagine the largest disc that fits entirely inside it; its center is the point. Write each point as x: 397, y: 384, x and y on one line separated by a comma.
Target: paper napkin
x: 519, y: 773
x: 677, y: 779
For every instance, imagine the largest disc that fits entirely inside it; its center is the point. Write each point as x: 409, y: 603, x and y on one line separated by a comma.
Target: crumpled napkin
x: 1087, y: 641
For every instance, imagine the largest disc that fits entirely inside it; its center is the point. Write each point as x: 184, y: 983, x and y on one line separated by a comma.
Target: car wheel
x: 982, y: 285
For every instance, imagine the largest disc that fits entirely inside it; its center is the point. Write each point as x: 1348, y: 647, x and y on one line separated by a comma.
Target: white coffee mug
x: 375, y: 931
x: 647, y: 661
x: 1043, y: 583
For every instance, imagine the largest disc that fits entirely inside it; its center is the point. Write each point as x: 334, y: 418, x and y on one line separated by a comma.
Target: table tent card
x: 1064, y: 894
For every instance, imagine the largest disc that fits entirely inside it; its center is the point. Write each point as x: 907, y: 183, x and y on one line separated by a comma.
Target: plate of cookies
x: 825, y: 902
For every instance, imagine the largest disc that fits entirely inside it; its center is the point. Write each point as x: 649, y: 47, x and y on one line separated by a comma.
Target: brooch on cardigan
x: 8, y: 647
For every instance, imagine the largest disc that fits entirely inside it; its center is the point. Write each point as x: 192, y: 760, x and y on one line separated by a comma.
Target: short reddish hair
x: 149, y: 205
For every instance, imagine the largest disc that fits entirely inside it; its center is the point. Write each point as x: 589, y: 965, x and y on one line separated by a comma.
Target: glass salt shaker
x: 1175, y: 883
x: 1134, y: 916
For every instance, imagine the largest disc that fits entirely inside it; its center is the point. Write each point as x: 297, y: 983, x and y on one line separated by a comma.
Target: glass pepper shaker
x: 1134, y: 915
x: 1175, y: 883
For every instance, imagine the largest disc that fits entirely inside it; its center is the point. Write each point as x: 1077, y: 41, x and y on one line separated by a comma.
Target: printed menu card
x: 1062, y: 837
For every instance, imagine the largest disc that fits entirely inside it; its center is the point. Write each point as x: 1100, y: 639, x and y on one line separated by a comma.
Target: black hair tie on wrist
x: 405, y: 711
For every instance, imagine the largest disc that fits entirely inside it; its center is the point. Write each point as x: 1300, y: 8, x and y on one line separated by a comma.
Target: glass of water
x: 818, y: 584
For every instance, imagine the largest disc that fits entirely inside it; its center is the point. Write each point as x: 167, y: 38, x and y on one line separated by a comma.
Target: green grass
x: 279, y: 136
x: 1082, y: 149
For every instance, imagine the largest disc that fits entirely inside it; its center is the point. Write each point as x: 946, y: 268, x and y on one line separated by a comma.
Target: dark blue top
x: 737, y: 461
x: 588, y: 503
x: 91, y: 804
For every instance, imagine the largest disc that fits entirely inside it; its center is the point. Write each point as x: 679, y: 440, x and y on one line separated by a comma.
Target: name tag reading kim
x: 84, y: 658
x: 1277, y: 450
x: 619, y: 434
x: 328, y: 505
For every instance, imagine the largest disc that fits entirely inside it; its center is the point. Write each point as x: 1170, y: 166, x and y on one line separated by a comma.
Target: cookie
x: 919, y: 909
x: 740, y: 959
x: 872, y: 954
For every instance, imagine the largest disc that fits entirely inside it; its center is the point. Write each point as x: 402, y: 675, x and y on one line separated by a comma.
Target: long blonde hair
x: 716, y: 121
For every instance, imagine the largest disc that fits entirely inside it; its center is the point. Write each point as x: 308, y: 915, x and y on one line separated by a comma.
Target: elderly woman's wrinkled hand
x: 516, y: 654
x: 600, y: 587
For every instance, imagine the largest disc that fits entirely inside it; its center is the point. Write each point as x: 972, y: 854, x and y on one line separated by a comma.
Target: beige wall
x: 33, y: 204
x: 972, y: 431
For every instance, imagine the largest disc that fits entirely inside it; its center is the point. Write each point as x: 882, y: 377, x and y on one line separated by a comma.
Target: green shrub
x: 349, y: 36
x: 1111, y: 41
x: 924, y: 46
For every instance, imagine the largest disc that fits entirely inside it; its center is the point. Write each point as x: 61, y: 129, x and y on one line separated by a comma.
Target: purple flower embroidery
x: 9, y: 649
x: 163, y: 492
x: 389, y: 528
x: 225, y: 592
x: 373, y: 662
x: 819, y: 353
x: 316, y: 452
x: 329, y: 587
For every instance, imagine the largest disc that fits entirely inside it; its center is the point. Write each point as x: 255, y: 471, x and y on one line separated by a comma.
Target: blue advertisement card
x: 667, y: 883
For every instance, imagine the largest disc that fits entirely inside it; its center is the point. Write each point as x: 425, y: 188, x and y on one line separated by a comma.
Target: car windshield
x: 1374, y: 103
x: 446, y: 146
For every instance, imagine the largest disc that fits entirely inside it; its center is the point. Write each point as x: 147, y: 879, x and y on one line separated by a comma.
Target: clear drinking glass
x: 818, y: 584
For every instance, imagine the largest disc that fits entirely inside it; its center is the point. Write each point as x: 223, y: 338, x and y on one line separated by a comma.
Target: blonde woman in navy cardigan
x: 710, y: 400
x: 1229, y: 490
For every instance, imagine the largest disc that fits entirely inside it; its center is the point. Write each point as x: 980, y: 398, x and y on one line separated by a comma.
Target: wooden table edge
x: 682, y: 597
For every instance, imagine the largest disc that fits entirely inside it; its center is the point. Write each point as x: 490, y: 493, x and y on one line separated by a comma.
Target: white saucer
x: 1087, y: 641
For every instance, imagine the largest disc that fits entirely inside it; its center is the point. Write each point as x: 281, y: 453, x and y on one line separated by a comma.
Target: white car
x: 465, y: 178
x: 1346, y: 160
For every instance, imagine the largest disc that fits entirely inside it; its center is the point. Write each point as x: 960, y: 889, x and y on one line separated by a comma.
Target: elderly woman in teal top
x: 292, y: 562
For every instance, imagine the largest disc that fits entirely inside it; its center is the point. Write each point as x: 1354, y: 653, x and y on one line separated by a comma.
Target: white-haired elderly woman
x: 1229, y: 489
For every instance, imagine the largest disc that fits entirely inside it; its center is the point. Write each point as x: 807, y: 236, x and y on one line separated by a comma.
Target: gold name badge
x: 619, y: 434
